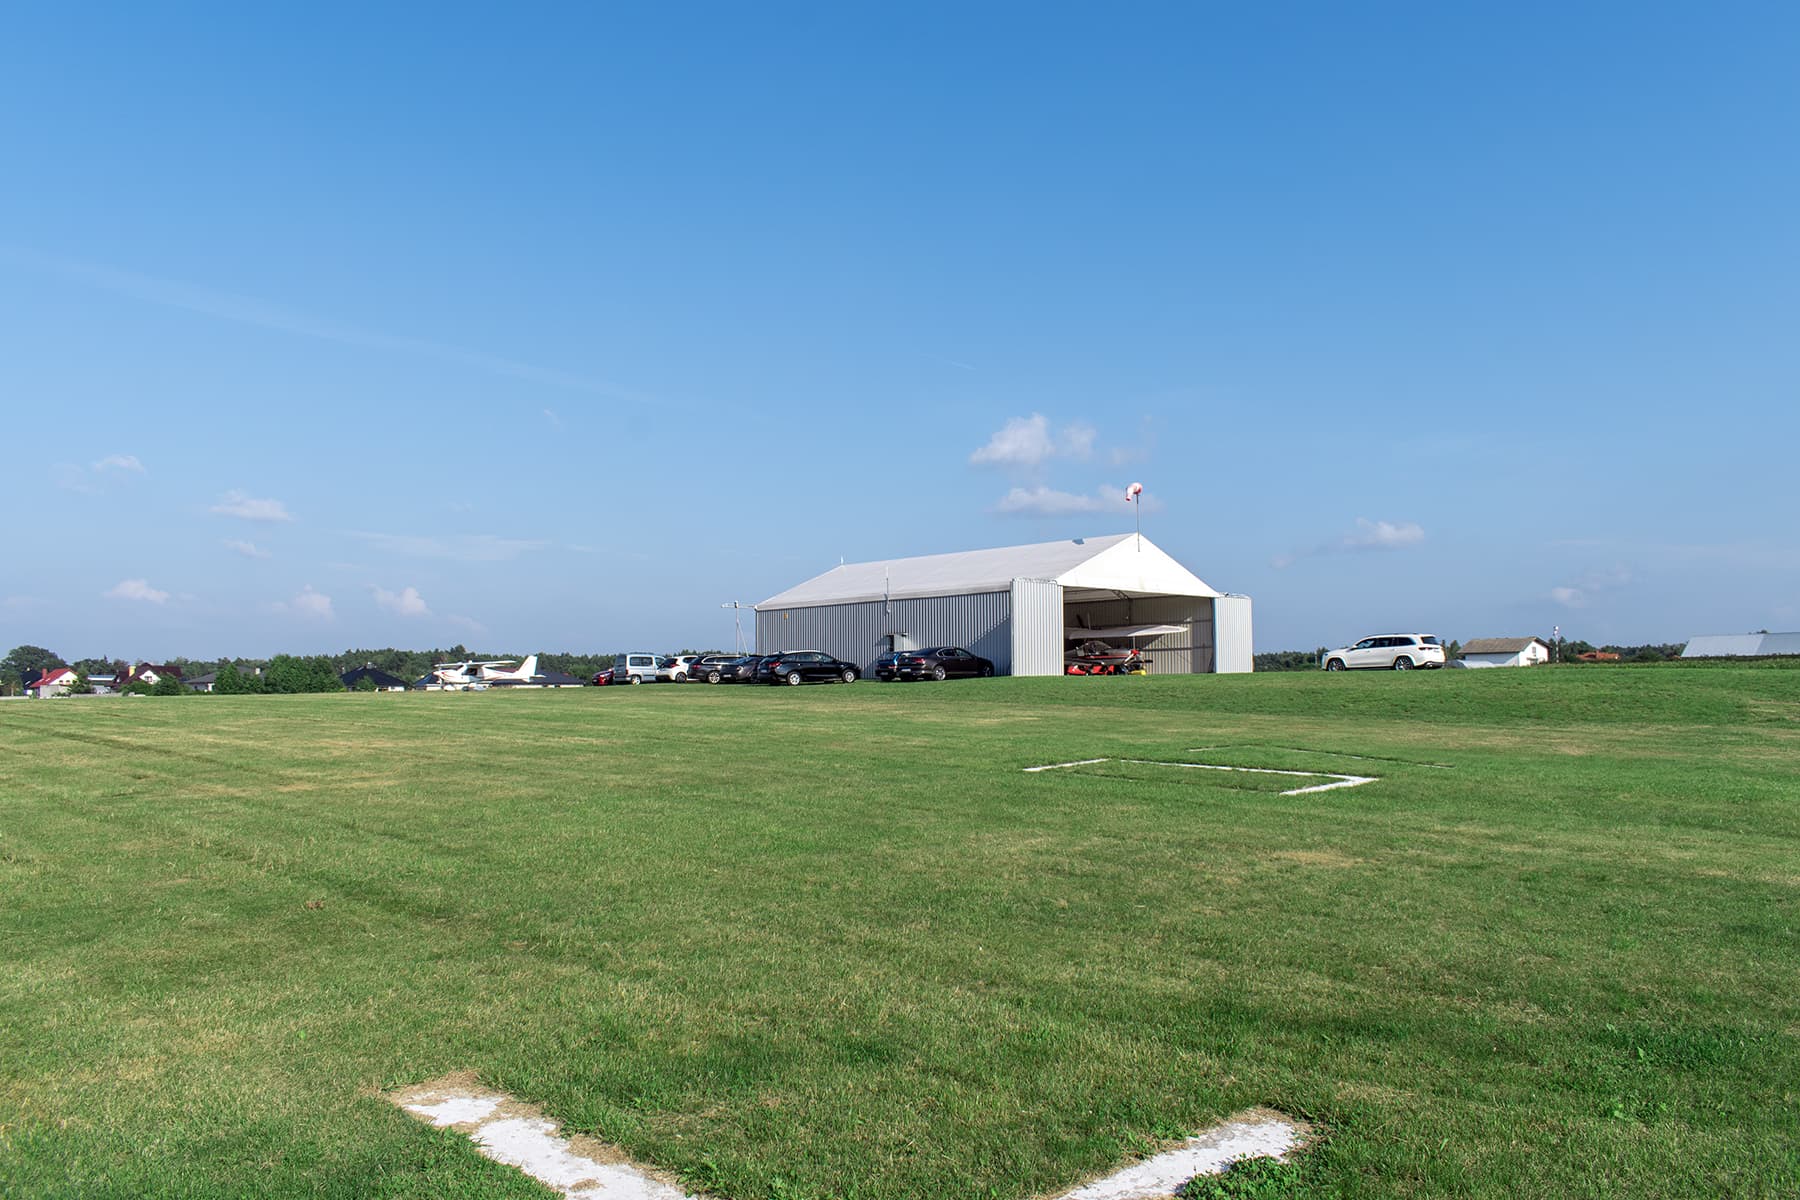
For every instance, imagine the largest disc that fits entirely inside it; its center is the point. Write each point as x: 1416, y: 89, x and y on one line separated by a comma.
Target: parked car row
x: 792, y: 667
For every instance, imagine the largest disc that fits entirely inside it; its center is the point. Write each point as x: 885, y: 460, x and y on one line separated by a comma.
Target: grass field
x: 833, y: 941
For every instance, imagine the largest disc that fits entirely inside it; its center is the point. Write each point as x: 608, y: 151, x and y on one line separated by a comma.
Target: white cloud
x: 468, y: 623
x: 406, y: 602
x: 236, y: 503
x: 137, y: 589
x: 1022, y: 442
x: 1048, y: 502
x: 1026, y: 443
x: 121, y: 462
x: 1077, y: 440
x: 1590, y: 587
x: 1368, y: 535
x: 1383, y: 535
x: 247, y: 549
x: 550, y: 416
x: 469, y: 548
x: 313, y: 605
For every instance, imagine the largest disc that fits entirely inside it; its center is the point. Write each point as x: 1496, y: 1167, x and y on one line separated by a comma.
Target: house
x: 202, y: 683
x: 1020, y: 607
x: 54, y: 682
x: 103, y: 685
x: 152, y: 673
x: 1505, y: 652
x: 383, y: 681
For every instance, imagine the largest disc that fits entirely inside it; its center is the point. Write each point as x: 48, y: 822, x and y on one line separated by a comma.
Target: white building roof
x: 1742, y: 645
x: 1121, y: 562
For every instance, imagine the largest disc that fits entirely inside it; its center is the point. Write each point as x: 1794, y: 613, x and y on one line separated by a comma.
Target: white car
x: 1386, y: 652
x: 674, y: 668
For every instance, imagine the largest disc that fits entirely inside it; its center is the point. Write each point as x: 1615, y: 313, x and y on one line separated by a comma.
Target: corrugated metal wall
x: 859, y: 632
x: 1236, y: 653
x: 1037, y: 618
x: 1186, y: 653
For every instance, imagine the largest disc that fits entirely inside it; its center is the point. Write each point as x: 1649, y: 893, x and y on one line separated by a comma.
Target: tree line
x: 286, y: 672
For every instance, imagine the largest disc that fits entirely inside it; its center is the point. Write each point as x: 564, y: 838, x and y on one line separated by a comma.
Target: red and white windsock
x: 1133, y: 492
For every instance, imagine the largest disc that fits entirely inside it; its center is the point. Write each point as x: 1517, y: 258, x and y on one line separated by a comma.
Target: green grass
x: 832, y: 942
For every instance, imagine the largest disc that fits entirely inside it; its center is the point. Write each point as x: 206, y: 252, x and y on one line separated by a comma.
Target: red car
x: 603, y: 677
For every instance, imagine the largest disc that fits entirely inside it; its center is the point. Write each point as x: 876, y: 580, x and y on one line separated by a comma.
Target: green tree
x: 290, y: 674
x: 26, y: 658
x: 228, y: 682
x: 169, y: 685
x: 81, y: 686
x: 366, y: 684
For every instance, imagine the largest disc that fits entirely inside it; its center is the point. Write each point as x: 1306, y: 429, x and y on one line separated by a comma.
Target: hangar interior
x: 1174, y: 632
x: 1023, y: 607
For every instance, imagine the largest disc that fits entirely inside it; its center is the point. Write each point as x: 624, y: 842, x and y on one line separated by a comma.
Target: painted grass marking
x: 1247, y: 1135
x: 520, y: 1136
x: 1337, y: 781
x: 1080, y: 762
x: 1411, y: 762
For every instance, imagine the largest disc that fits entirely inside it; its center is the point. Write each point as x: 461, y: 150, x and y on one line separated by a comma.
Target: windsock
x: 1133, y: 492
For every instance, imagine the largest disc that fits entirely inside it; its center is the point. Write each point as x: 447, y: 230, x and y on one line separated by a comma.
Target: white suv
x: 1387, y: 652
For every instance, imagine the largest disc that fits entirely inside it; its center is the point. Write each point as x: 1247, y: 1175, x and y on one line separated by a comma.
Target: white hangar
x: 1021, y: 606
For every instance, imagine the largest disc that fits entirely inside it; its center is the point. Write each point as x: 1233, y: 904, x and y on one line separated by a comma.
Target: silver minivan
x: 636, y: 667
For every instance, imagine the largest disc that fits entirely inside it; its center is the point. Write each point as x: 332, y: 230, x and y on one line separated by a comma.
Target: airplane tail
x: 529, y: 667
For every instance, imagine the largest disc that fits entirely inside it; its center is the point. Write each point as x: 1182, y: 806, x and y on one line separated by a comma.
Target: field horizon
x: 837, y: 942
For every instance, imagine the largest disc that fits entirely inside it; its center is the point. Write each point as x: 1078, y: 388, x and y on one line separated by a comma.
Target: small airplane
x: 474, y: 676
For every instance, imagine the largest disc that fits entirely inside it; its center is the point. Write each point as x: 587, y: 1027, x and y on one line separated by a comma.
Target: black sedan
x: 805, y: 666
x: 937, y: 662
x: 740, y: 670
x: 713, y: 668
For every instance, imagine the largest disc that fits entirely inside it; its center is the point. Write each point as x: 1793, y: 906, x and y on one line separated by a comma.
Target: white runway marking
x: 519, y: 1136
x: 1408, y: 762
x: 1080, y: 762
x: 1337, y: 781
x: 1249, y: 1135
x: 580, y: 1168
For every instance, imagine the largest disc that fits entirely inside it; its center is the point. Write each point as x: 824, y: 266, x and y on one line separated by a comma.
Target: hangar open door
x: 1174, y: 634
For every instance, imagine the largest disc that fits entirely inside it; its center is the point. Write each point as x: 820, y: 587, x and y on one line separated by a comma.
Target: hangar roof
x: 1119, y: 563
x: 1742, y: 645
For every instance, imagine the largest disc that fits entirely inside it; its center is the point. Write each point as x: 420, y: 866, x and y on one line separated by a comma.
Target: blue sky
x: 342, y: 326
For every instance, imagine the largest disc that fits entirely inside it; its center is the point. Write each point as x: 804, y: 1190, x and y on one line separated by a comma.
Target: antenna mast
x: 737, y: 614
